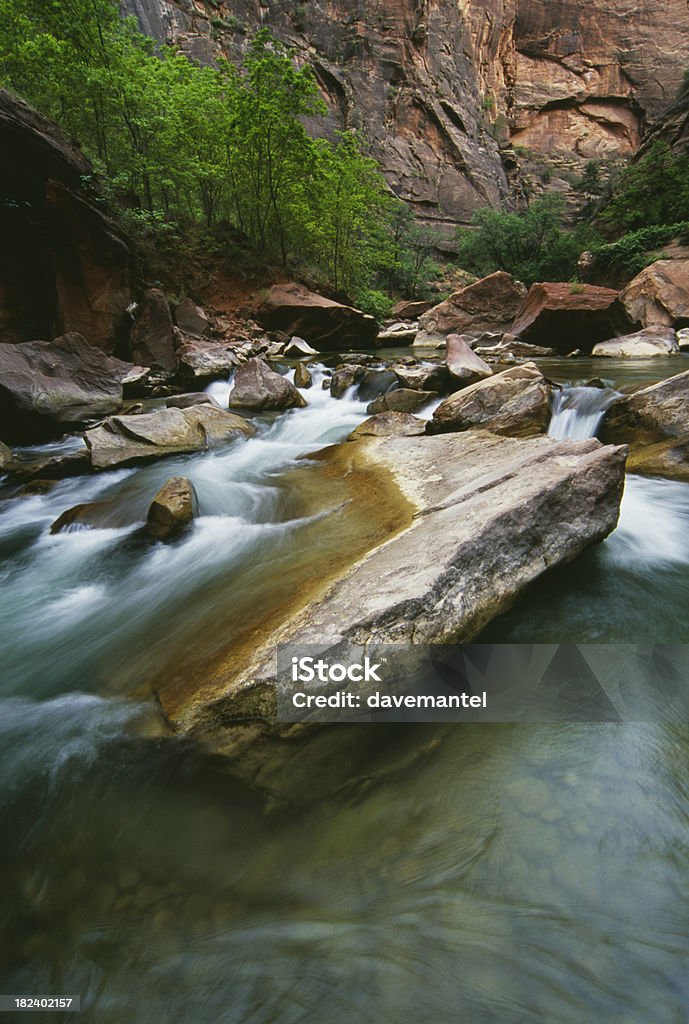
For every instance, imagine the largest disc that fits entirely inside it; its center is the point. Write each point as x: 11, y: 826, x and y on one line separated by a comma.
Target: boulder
x: 297, y: 346
x: 683, y: 339
x: 565, y: 316
x: 659, y: 295
x: 485, y: 517
x: 86, y: 516
x: 509, y: 345
x: 374, y: 383
x: 172, y: 510
x: 193, y: 398
x: 401, y: 400
x: 206, y: 360
x: 423, y: 377
x: 398, y: 335
x: 191, y: 319
x: 515, y: 402
x: 650, y: 414
x: 302, y: 376
x: 47, y: 386
x: 328, y: 325
x: 152, y: 337
x: 668, y: 458
x: 344, y: 378
x: 257, y: 387
x: 645, y: 344
x: 126, y: 439
x: 463, y: 364
x: 389, y: 424
x: 410, y: 310
x: 487, y: 305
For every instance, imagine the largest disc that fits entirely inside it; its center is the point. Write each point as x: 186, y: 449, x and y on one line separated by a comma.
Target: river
x: 510, y: 874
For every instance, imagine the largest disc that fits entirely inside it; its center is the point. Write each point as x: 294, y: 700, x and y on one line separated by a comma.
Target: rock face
x: 152, y: 336
x: 46, y: 386
x: 63, y: 266
x: 565, y: 316
x: 488, y: 516
x: 328, y: 325
x: 441, y: 86
x: 659, y: 295
x: 389, y: 424
x: 515, y: 402
x: 125, y: 439
x: 172, y: 509
x: 645, y: 344
x: 257, y: 387
x: 488, y: 305
x: 463, y: 364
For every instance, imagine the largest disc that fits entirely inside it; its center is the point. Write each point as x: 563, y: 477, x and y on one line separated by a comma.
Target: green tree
x: 652, y: 190
x: 532, y: 245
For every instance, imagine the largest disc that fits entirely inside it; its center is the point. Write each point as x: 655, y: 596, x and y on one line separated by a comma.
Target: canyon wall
x: 465, y: 104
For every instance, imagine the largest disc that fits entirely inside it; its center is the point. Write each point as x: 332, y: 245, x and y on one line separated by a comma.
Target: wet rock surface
x: 172, y: 509
x: 257, y: 387
x: 514, y: 402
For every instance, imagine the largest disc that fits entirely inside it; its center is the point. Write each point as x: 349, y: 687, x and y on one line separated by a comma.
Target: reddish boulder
x: 152, y: 336
x: 487, y: 305
x: 191, y: 319
x: 659, y: 295
x: 565, y: 316
x: 328, y: 325
x: 409, y: 310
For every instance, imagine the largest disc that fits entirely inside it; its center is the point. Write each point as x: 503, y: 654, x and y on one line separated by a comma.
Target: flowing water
x: 507, y: 874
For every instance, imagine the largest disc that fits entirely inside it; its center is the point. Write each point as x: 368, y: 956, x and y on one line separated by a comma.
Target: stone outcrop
x: 47, y: 386
x: 494, y: 512
x: 152, y: 335
x: 328, y: 325
x: 389, y: 424
x: 487, y: 305
x: 258, y: 388
x: 64, y: 266
x: 172, y: 510
x: 645, y: 344
x: 565, y: 317
x: 515, y: 402
x: 121, y: 440
x: 659, y: 295
x: 443, y: 87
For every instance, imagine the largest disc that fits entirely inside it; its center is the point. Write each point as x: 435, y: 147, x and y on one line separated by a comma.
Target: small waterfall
x: 578, y: 411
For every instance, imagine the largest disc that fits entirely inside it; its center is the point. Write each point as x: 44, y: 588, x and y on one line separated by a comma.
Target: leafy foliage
x: 653, y: 190
x: 636, y: 249
x: 532, y: 245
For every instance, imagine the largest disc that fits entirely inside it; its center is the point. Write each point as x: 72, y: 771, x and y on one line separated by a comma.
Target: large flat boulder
x: 328, y: 325
x: 46, y: 386
x: 659, y: 295
x: 514, y: 402
x: 486, y: 517
x: 259, y: 388
x: 389, y: 424
x: 121, y: 440
x: 648, y: 343
x: 487, y: 305
x: 566, y: 317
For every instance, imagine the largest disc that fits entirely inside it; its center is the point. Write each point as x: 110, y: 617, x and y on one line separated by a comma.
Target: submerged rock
x: 645, y: 344
x: 328, y: 325
x: 514, y: 402
x: 389, y: 424
x: 257, y: 387
x: 45, y: 386
x: 124, y: 439
x: 192, y: 398
x: 172, y: 509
